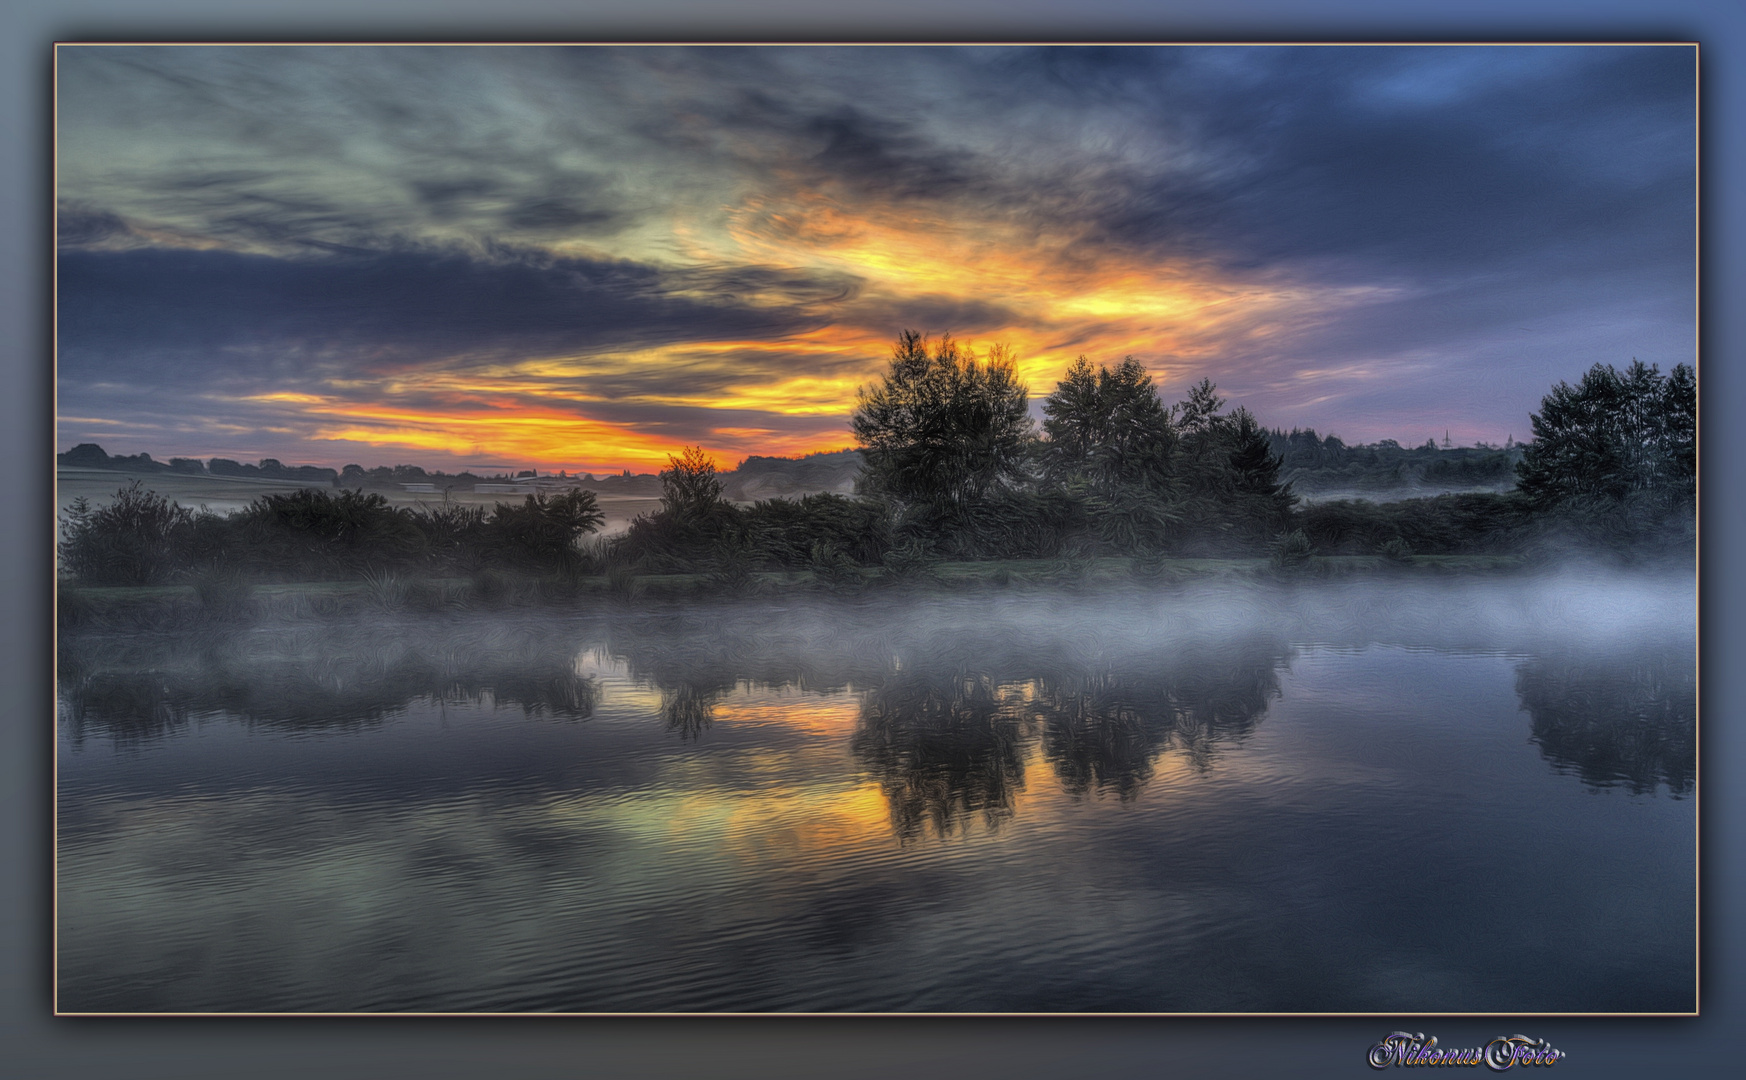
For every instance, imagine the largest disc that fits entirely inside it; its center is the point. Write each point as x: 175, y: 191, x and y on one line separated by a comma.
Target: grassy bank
x: 122, y: 607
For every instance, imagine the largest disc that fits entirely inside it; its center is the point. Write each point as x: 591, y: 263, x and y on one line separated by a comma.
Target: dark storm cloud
x: 1362, y: 160
x: 77, y: 226
x: 787, y: 285
x: 541, y: 200
x: 1424, y: 160
x: 1421, y: 158
x: 196, y: 313
x: 886, y: 157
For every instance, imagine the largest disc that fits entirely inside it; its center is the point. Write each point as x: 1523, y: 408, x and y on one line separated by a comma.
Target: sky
x: 587, y: 258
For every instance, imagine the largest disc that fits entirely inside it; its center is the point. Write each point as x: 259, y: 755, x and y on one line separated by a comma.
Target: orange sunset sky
x: 585, y: 258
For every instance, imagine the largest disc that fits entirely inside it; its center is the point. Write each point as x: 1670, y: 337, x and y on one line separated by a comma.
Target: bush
x: 734, y: 568
x: 831, y: 568
x: 314, y: 533
x: 1397, y: 550
x: 1292, y: 550
x: 135, y: 540
x: 910, y: 564
x: 1468, y: 523
x: 623, y: 585
x: 540, y: 533
x: 1003, y: 525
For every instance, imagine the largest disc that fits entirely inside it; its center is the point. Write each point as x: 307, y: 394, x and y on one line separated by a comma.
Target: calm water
x: 1420, y: 799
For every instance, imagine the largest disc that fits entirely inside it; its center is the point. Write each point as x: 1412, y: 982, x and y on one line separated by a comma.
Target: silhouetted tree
x: 1108, y: 427
x: 1611, y: 435
x: 1198, y: 412
x: 941, y: 426
x: 542, y: 531
x: 689, y: 487
x: 1229, y: 471
x: 1265, y: 502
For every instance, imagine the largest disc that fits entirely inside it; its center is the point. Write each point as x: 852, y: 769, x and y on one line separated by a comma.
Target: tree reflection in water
x: 688, y: 709
x: 952, y: 701
x: 945, y: 745
x: 950, y: 706
x: 1104, y: 728
x: 946, y: 728
x: 1616, y: 721
x: 333, y: 679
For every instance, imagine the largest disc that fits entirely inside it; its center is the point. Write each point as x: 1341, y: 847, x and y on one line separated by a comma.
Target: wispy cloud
x: 604, y: 252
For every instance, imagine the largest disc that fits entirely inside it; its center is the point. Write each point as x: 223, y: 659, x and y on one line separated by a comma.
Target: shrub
x: 1292, y: 550
x: 131, y: 541
x: 734, y: 567
x: 316, y: 533
x: 623, y: 585
x: 1397, y: 550
x: 541, y: 532
x: 831, y: 567
x: 909, y: 564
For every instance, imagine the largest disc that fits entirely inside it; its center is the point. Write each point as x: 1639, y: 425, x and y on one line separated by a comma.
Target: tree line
x: 955, y: 468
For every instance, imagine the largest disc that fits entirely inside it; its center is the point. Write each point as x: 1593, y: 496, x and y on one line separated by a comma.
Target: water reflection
x: 689, y: 709
x: 1104, y: 729
x: 816, y: 807
x: 951, y: 706
x: 341, y: 677
x: 1622, y: 720
x: 951, y: 703
x: 946, y: 744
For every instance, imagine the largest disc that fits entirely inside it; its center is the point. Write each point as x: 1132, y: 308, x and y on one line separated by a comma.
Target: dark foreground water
x: 1475, y: 798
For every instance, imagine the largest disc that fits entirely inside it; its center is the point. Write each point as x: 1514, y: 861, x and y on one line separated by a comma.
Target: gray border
x: 37, y: 1045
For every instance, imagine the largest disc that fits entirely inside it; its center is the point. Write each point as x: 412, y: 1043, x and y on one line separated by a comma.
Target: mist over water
x: 1471, y: 795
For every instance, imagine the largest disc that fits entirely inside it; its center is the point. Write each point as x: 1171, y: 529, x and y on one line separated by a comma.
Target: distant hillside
x: 780, y: 478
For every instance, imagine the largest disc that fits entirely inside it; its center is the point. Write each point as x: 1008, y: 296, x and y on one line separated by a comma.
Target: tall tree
x: 1266, y: 503
x: 1613, y: 436
x: 942, y: 427
x: 689, y: 487
x: 1108, y: 427
x: 1074, y: 420
x: 1228, y: 469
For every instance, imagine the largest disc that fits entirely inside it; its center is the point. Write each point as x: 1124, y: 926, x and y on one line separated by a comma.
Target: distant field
x: 227, y: 494
x: 220, y: 494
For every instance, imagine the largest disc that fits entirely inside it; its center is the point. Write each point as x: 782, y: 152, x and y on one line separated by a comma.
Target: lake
x: 1432, y: 796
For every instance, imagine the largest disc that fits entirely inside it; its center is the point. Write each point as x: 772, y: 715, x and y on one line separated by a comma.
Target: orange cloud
x: 1174, y: 315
